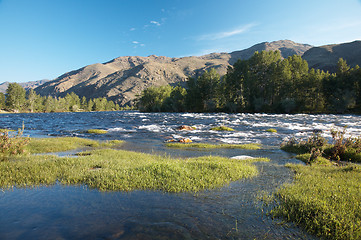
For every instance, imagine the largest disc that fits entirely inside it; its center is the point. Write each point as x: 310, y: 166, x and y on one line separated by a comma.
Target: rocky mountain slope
x: 123, y: 78
x: 26, y: 85
x: 326, y: 57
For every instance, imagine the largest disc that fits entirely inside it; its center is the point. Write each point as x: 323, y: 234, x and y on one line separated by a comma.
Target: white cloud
x: 132, y: 29
x: 155, y: 23
x: 221, y: 35
x: 138, y: 44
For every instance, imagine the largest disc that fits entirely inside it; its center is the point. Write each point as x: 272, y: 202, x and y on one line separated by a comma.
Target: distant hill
x: 326, y: 57
x: 123, y: 78
x: 26, y: 85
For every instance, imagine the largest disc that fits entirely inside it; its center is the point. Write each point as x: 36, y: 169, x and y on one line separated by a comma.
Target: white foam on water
x: 177, y: 136
x: 242, y: 157
x: 188, y: 114
x: 151, y: 128
x: 239, y: 134
x: 120, y: 129
x: 237, y: 141
x: 195, y: 138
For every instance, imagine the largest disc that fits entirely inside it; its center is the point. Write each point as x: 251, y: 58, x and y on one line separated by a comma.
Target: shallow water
x: 232, y: 212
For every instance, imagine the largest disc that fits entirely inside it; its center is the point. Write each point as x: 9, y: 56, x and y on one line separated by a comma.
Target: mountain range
x: 25, y: 85
x: 123, y: 78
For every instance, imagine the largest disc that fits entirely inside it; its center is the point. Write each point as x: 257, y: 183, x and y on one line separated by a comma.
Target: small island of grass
x: 97, y: 131
x: 271, y: 130
x: 250, y: 146
x: 325, y: 196
x: 61, y: 144
x: 222, y: 128
x: 118, y: 170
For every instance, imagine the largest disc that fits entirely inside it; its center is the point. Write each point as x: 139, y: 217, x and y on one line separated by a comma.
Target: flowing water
x: 232, y: 212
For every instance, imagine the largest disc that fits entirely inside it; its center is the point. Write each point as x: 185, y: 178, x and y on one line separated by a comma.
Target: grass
x: 118, y: 170
x: 325, y: 200
x: 6, y: 130
x: 97, y: 131
x: 61, y: 144
x: 251, y: 146
x: 271, y: 130
x: 222, y: 128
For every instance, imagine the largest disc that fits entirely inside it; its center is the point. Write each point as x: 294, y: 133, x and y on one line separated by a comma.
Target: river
x: 231, y: 212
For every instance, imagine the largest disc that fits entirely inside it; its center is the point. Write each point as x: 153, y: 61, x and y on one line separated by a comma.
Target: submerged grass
x: 271, y: 130
x: 325, y: 200
x: 118, y: 170
x: 222, y: 128
x: 61, y: 144
x: 97, y: 131
x: 250, y: 146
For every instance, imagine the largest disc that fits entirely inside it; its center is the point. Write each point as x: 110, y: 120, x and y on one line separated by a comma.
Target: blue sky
x: 42, y: 39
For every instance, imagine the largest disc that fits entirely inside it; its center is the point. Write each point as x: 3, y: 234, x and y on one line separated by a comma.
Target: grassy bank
x: 118, y: 170
x: 251, y: 146
x: 325, y: 200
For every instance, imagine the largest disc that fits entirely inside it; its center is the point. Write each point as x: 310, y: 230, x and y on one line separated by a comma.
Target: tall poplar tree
x: 15, y: 97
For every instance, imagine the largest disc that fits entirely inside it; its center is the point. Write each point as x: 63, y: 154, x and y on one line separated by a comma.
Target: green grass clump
x: 251, y: 146
x: 61, y: 144
x: 325, y: 200
x: 6, y: 130
x: 58, y: 144
x: 317, y: 161
x: 222, y: 128
x: 272, y: 130
x: 97, y: 131
x: 118, y: 170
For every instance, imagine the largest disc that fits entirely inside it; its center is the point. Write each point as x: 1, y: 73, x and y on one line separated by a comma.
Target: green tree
x: 15, y: 97
x: 151, y: 99
x: 49, y: 104
x: 90, y: 105
x: 84, y: 103
x: 2, y: 101
x: 259, y: 82
x: 31, y: 100
x: 193, y: 100
x: 313, y: 99
x: 341, y: 89
x: 203, y: 93
x: 73, y: 102
x: 100, y: 104
x: 176, y: 101
x: 233, y: 87
x: 110, y: 106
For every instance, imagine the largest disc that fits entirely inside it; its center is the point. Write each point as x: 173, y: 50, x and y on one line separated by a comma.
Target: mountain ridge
x: 123, y: 78
x: 25, y: 85
x: 326, y: 57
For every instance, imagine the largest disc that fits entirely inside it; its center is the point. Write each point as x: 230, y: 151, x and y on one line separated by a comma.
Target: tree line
x: 263, y: 83
x: 17, y: 99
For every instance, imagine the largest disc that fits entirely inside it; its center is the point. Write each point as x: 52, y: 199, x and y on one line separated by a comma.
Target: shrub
x: 345, y: 149
x: 313, y: 143
x: 12, y: 143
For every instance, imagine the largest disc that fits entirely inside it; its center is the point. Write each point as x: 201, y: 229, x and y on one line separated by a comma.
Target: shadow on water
x: 231, y: 212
